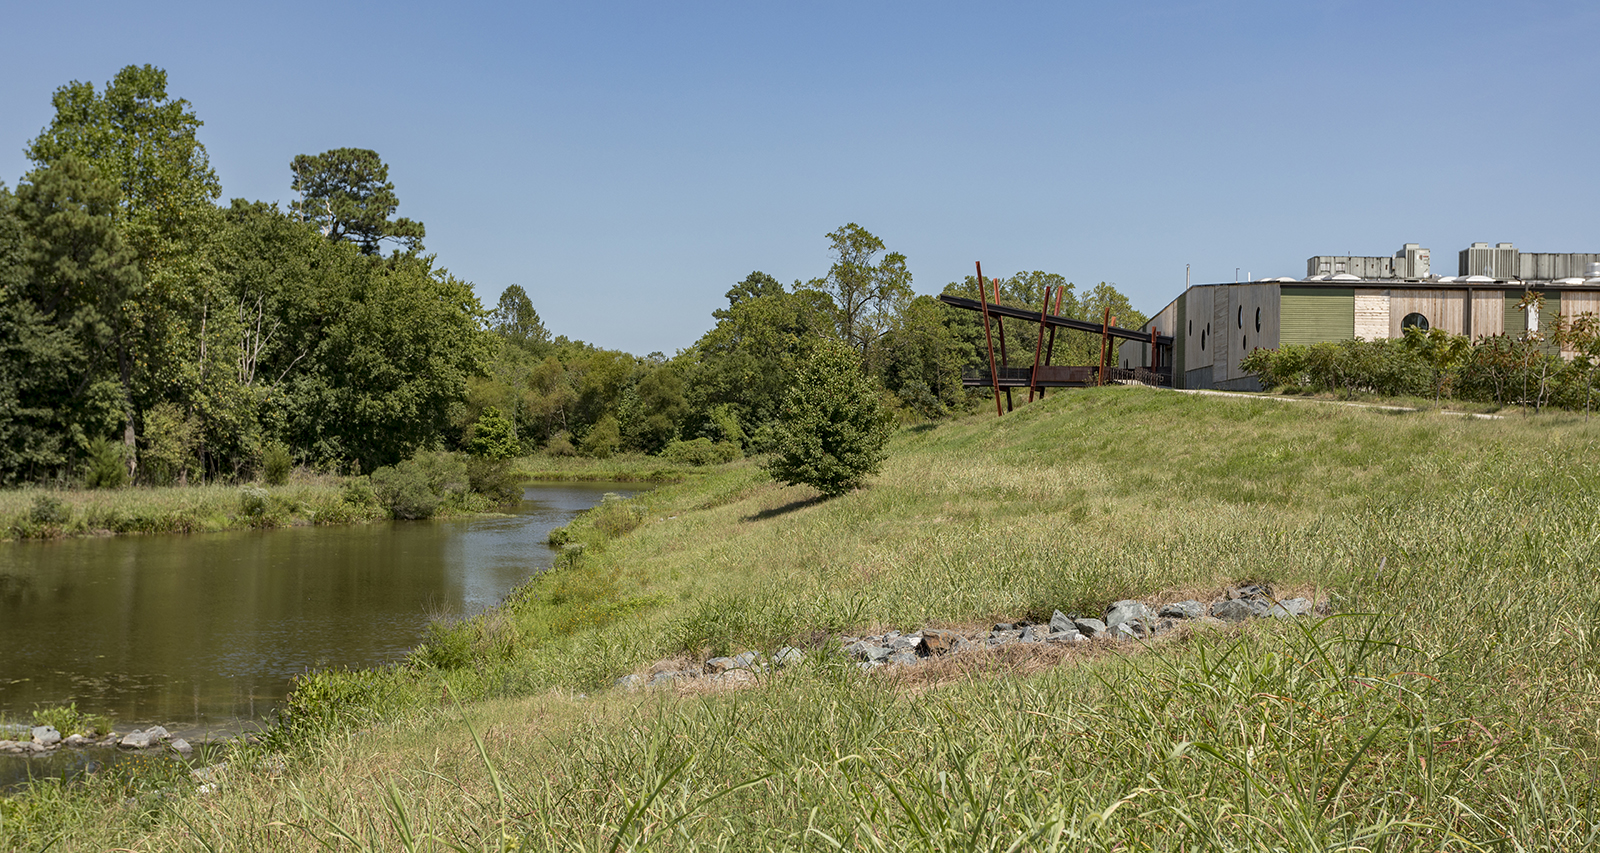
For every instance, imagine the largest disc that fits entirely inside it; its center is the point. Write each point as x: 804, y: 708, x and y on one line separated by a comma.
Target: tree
x: 867, y: 290
x: 921, y: 356
x: 494, y: 436
x: 346, y: 192
x: 84, y: 282
x: 515, y: 320
x: 832, y: 430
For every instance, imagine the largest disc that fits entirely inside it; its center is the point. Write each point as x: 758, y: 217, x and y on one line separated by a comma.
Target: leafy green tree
x: 868, y: 285
x: 494, y: 436
x: 347, y: 194
x: 34, y: 356
x: 921, y: 356
x: 144, y: 143
x: 83, y: 279
x: 832, y: 430
x: 1443, y: 352
x: 747, y: 361
x: 515, y: 320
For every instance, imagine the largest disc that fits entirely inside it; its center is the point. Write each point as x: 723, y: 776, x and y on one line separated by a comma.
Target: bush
x: 254, y: 502
x: 276, y: 463
x: 701, y: 451
x: 419, y: 486
x: 106, y: 467
x: 560, y: 444
x: 832, y: 429
x: 357, y: 491
x: 494, y: 479
x: 50, y: 511
x: 615, y: 515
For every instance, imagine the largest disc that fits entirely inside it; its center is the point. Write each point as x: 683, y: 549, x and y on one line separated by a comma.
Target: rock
x: 212, y: 773
x: 1059, y: 622
x: 143, y: 739
x: 940, y: 642
x: 1238, y: 609
x: 181, y: 746
x: 1002, y: 627
x: 1190, y: 609
x: 1126, y: 631
x: 9, y: 745
x: 631, y: 681
x: 1090, y: 628
x: 1290, y: 608
x: 911, y: 643
x: 1255, y: 591
x: 904, y: 657
x: 46, y: 735
x: 76, y: 740
x: 664, y: 678
x: 1071, y: 636
x: 1028, y: 636
x: 869, y: 651
x: 788, y: 655
x: 1126, y: 611
x: 869, y: 665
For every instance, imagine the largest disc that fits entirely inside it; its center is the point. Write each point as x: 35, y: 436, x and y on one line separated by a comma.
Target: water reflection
x: 191, y: 630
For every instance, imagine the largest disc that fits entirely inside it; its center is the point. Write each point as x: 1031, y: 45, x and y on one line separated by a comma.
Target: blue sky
x: 628, y: 162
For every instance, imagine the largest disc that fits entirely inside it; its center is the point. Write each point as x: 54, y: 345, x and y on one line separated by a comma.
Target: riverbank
x: 1448, y: 703
x: 38, y: 513
x: 309, y: 499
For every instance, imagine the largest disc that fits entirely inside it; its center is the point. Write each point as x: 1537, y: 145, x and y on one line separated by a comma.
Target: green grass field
x: 1452, y: 703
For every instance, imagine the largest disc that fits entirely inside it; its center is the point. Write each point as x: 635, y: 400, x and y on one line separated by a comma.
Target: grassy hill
x: 1450, y: 703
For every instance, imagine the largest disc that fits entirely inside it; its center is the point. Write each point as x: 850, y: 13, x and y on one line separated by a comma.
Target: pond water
x: 203, y: 633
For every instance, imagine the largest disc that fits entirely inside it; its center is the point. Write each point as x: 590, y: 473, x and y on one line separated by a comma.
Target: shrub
x: 615, y: 515
x: 494, y: 479
x: 701, y: 451
x: 419, y: 486
x: 832, y: 429
x: 50, y: 511
x: 560, y: 444
x: 254, y: 502
x: 357, y: 491
x: 276, y: 463
x: 106, y: 467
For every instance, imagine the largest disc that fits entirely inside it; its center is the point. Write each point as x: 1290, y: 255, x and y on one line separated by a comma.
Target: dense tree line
x: 147, y: 326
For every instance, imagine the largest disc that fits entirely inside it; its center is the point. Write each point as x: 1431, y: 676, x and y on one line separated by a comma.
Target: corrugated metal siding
x: 1314, y: 314
x: 1180, y: 340
x: 1220, y: 323
x: 1516, y: 323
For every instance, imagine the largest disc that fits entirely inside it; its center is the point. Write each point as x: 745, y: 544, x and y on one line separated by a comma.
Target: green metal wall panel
x: 1516, y: 323
x: 1310, y: 315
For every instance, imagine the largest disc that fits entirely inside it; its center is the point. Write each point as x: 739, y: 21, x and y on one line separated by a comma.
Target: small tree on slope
x: 832, y: 430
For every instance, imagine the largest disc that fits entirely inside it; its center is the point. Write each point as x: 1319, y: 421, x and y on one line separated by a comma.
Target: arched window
x: 1258, y: 319
x: 1414, y: 321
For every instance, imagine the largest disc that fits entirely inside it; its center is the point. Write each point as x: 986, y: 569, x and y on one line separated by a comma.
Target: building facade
x: 1214, y: 326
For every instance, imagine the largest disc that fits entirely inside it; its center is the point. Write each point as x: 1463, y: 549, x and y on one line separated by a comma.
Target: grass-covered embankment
x: 35, y: 513
x: 1452, y: 705
x: 620, y: 468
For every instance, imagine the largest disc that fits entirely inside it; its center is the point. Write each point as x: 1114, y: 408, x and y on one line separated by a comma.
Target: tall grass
x: 1449, y: 705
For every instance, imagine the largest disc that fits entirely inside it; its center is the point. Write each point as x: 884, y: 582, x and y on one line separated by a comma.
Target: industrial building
x: 1214, y: 326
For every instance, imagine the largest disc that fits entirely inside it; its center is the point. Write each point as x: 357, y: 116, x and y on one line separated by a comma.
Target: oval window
x: 1202, y: 339
x: 1191, y: 327
x: 1244, y: 343
x: 1414, y: 321
x: 1241, y: 316
x: 1258, y: 319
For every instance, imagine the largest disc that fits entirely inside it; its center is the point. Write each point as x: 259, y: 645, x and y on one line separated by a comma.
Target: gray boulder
x: 663, y: 679
x: 1121, y: 612
x: 904, y: 657
x: 76, y: 740
x: 144, y: 739
x: 1059, y: 623
x: 742, y: 660
x: 46, y: 735
x: 181, y: 746
x: 788, y: 655
x: 910, y: 643
x: 1190, y: 609
x: 1090, y: 628
x: 1238, y: 609
x: 1290, y: 608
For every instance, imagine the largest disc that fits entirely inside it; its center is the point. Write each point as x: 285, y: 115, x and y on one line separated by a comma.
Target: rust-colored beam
x: 994, y: 375
x: 1105, y: 337
x: 1051, y: 348
x: 1038, y: 348
x: 1005, y: 361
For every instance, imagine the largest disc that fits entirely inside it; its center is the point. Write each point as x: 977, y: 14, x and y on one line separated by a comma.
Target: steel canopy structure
x: 1042, y: 374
